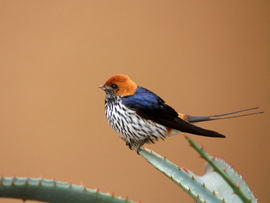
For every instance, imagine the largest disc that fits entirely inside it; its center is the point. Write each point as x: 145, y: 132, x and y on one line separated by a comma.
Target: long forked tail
x: 194, y: 119
x: 185, y: 126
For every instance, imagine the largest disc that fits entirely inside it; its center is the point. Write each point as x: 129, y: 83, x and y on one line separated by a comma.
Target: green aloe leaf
x: 220, y: 182
x: 223, y: 175
x: 52, y: 191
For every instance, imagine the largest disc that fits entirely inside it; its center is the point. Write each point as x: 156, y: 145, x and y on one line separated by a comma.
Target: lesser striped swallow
x: 140, y: 116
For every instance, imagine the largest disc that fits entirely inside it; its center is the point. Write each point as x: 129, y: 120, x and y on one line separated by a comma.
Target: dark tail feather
x: 187, y: 127
x: 194, y: 119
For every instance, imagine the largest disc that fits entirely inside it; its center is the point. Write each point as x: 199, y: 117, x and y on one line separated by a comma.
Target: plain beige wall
x: 202, y: 57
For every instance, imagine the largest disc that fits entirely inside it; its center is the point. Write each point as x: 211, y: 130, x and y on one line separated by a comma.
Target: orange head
x: 120, y: 85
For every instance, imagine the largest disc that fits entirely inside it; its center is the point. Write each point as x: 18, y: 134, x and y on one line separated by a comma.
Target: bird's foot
x: 140, y: 145
x: 138, y: 150
x: 128, y: 143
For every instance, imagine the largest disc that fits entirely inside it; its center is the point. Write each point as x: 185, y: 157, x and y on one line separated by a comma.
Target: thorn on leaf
x: 185, y: 170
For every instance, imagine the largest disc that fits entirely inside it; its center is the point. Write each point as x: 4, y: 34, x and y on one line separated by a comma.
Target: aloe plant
x: 220, y: 183
x: 53, y: 191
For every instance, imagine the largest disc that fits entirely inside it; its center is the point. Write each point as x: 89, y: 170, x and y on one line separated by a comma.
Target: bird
x: 140, y: 116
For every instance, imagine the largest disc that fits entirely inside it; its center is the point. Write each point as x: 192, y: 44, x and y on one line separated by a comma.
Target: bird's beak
x: 101, y: 87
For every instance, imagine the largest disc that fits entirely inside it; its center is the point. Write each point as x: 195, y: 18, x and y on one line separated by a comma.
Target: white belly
x: 132, y: 128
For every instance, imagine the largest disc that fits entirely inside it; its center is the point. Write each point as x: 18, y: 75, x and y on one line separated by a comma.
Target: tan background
x: 202, y: 57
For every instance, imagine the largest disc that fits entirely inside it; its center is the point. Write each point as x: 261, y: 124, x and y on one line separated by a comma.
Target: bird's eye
x: 114, y: 86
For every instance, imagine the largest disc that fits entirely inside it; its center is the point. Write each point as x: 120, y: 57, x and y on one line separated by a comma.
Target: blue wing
x: 150, y: 106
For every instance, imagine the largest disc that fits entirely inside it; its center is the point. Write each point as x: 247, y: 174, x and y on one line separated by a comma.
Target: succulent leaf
x: 182, y: 178
x: 220, y: 182
x: 52, y: 191
x: 238, y: 189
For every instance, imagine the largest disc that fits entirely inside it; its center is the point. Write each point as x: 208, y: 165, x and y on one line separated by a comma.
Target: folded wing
x: 150, y: 106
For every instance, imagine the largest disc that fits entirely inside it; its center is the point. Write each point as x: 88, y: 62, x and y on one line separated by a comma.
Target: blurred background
x: 201, y: 57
